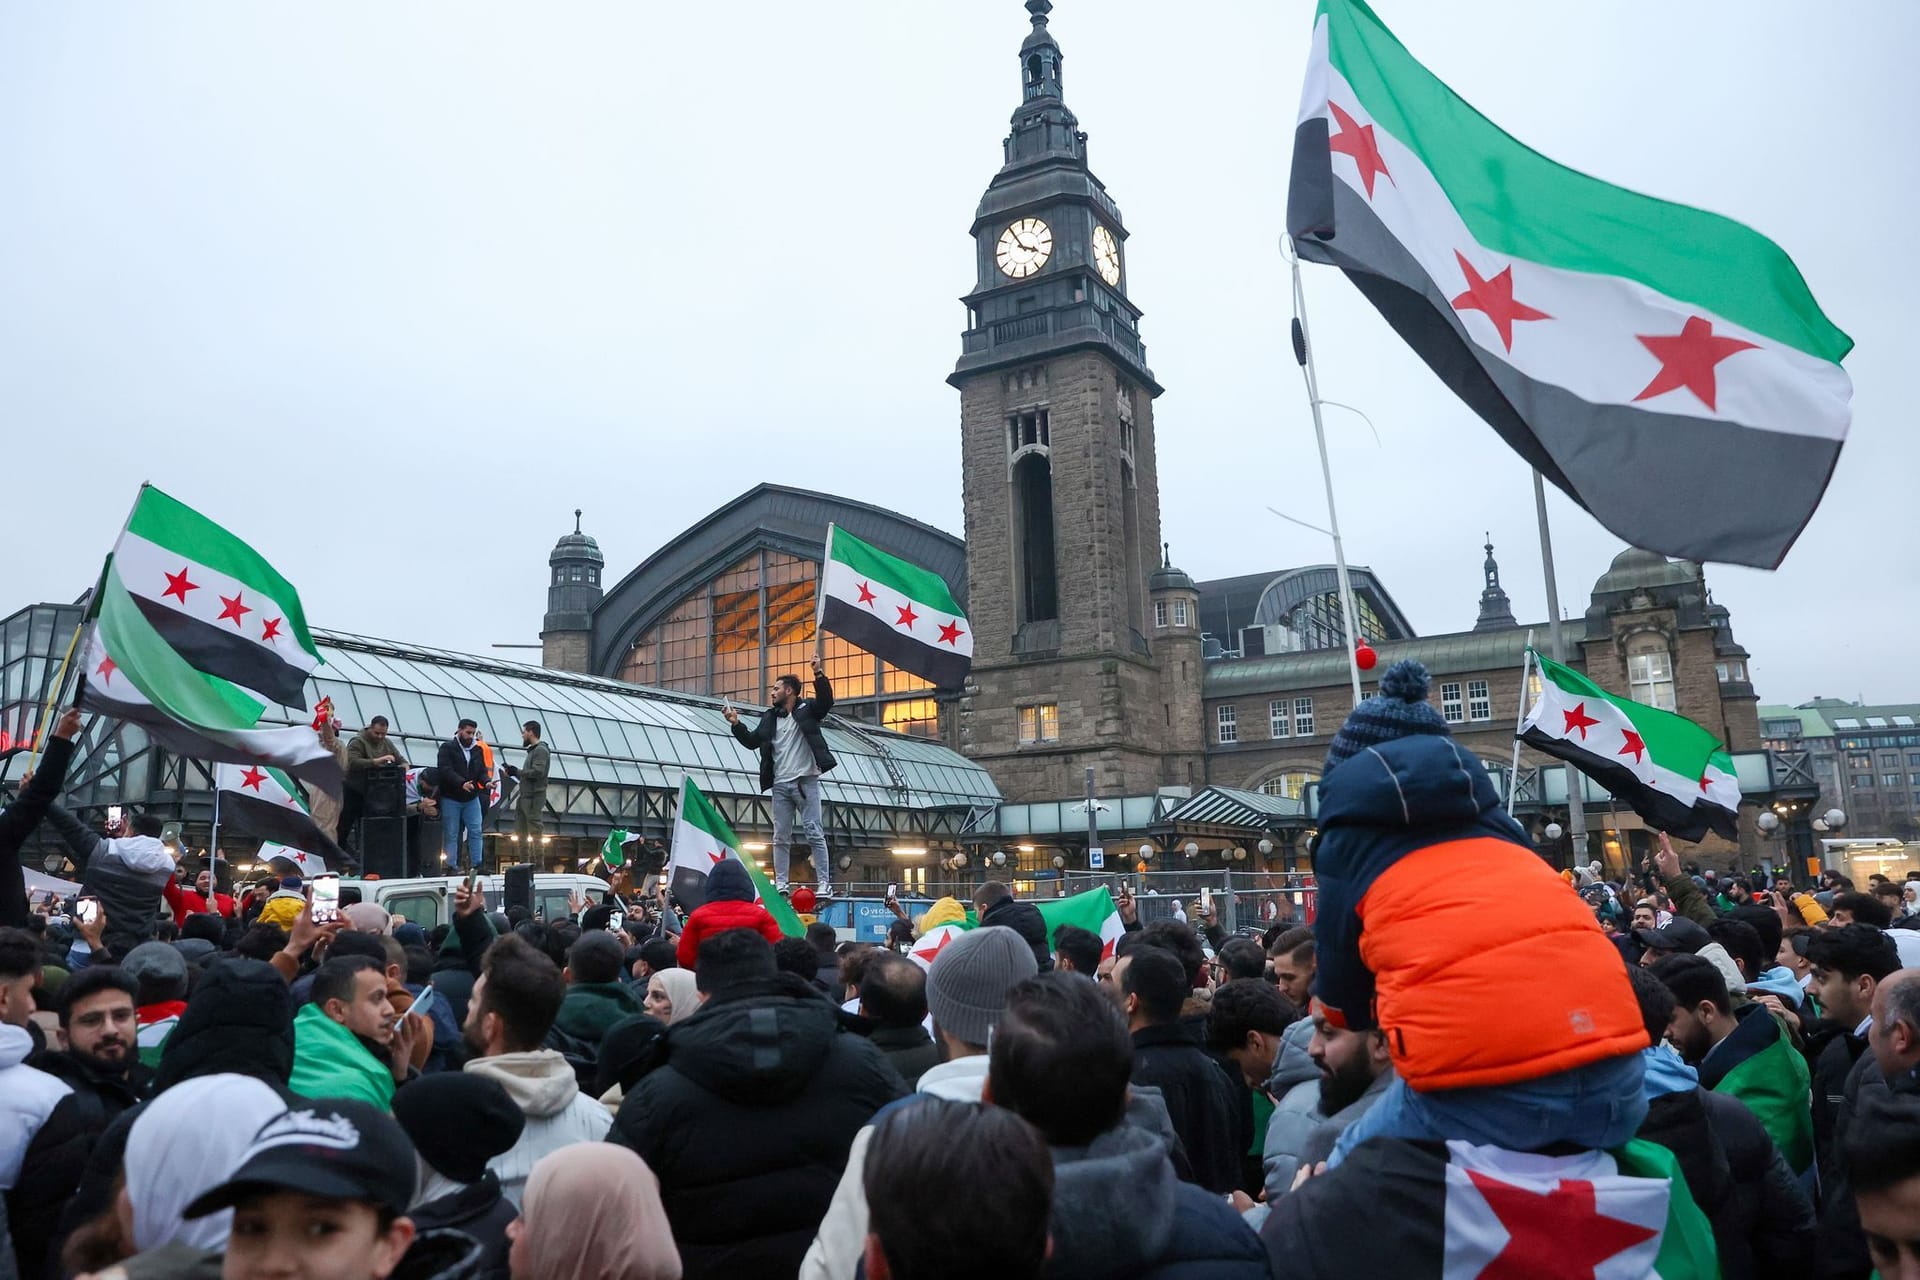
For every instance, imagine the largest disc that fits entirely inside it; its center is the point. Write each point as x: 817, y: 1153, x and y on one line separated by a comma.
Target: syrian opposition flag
x: 1092, y: 910
x: 1666, y: 367
x: 1673, y: 773
x: 263, y: 801
x: 613, y: 850
x: 894, y: 609
x: 701, y: 841
x: 307, y: 864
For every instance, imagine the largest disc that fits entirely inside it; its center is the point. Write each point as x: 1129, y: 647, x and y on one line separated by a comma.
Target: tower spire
x: 1496, y: 611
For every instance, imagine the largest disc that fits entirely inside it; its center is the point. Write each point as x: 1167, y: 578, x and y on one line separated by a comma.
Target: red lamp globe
x: 1364, y: 657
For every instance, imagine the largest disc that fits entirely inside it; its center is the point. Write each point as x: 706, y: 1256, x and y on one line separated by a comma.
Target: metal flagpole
x: 820, y: 599
x: 1576, y: 803
x: 1303, y: 356
x: 213, y: 849
x: 1520, y: 718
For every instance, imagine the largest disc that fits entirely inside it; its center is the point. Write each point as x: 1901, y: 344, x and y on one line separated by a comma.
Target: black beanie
x: 729, y: 882
x: 458, y: 1122
x: 626, y: 1050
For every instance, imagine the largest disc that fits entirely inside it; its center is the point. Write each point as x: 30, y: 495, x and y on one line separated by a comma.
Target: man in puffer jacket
x: 731, y: 903
x: 1401, y: 944
x: 128, y: 874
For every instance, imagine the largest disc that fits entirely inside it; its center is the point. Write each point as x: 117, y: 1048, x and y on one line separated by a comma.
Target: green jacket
x: 591, y: 1007
x: 532, y: 797
x: 330, y: 1062
x: 1688, y: 901
x: 1758, y: 1065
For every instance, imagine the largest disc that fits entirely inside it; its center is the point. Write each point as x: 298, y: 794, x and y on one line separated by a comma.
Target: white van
x: 428, y: 900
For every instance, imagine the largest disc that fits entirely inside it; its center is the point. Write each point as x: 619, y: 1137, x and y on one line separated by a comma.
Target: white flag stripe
x: 843, y: 583
x: 146, y: 567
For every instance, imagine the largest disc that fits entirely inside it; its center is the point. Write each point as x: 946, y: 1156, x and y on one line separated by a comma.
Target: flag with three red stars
x: 894, y: 609
x: 1092, y: 910
x: 1672, y: 772
x: 263, y: 801
x: 702, y: 840
x: 1666, y: 367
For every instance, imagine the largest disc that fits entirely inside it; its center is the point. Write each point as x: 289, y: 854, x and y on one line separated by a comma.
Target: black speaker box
x: 519, y: 889
x: 386, y: 792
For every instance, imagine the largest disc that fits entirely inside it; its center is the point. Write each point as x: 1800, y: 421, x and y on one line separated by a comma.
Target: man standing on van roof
x: 530, y: 802
x: 463, y: 782
x: 793, y: 755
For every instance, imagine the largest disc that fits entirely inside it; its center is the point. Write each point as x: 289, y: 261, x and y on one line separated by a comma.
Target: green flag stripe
x: 1687, y: 1248
x: 168, y: 522
x: 1516, y: 201
x: 162, y: 676
x: 909, y: 580
x: 1675, y: 742
x: 286, y: 785
x: 699, y: 812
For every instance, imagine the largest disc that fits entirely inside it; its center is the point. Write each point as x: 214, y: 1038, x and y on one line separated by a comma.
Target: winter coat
x: 1024, y: 919
x: 530, y: 801
x: 1403, y: 941
x: 17, y: 822
x: 479, y: 1211
x: 329, y: 1061
x: 1310, y: 1135
x: 1295, y: 1088
x: 362, y: 751
x: 1209, y: 1108
x: 56, y: 1160
x: 910, y: 1051
x: 756, y: 1105
x: 1119, y: 1211
x: 28, y: 1097
x: 283, y: 908
x: 1833, y: 1052
x: 543, y: 1085
x: 717, y: 917
x: 441, y: 1255
x: 457, y: 766
x: 128, y: 874
x: 809, y: 714
x: 321, y: 806
x: 1757, y: 1065
x: 591, y: 1007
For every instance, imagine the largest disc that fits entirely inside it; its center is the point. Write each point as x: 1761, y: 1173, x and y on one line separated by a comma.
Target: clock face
x: 1106, y: 255
x: 1024, y: 248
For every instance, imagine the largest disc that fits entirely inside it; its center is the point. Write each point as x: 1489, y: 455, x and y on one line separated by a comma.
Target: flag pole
x: 1519, y: 720
x: 1576, y: 802
x: 213, y: 847
x: 1303, y: 356
x: 820, y: 599
x: 43, y: 726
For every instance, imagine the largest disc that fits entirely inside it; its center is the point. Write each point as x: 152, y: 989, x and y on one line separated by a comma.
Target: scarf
x: 592, y: 1212
x: 188, y: 1140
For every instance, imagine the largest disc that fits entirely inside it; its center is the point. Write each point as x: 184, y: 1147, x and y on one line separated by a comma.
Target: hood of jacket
x: 1024, y: 919
x: 729, y: 882
x: 757, y: 1043
x: 541, y: 1083
x: 1666, y: 1072
x: 1723, y: 961
x: 239, y: 1022
x: 591, y: 1007
x: 1422, y: 783
x: 958, y: 1080
x: 1113, y: 1204
x: 1293, y: 1065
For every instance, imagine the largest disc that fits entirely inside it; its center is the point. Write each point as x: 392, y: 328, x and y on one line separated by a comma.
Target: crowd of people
x: 1465, y: 1065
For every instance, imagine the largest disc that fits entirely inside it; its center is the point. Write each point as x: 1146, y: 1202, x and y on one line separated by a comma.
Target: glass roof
x: 607, y: 731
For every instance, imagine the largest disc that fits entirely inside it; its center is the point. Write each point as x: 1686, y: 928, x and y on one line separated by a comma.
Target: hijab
x: 592, y: 1211
x: 681, y: 990
x: 188, y: 1140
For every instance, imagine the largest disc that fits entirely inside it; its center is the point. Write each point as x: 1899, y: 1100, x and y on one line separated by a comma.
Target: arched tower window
x: 1039, y: 590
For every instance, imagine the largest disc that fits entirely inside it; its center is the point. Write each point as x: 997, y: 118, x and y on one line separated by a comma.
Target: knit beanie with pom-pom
x: 1399, y: 710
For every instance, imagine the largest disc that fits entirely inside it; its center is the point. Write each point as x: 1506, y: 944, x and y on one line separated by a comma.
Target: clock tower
x: 1060, y: 486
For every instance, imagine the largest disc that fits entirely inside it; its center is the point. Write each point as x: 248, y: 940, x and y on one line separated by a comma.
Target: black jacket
x: 479, y: 1212
x: 1763, y: 1225
x: 1831, y: 1053
x: 809, y: 714
x: 56, y: 1159
x: 756, y: 1104
x: 910, y: 1051
x: 441, y: 1255
x: 1210, y: 1110
x: 456, y: 768
x: 1024, y: 919
x: 17, y: 822
x: 1843, y: 1243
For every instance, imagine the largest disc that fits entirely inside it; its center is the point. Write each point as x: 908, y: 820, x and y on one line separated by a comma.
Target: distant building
x: 1866, y: 758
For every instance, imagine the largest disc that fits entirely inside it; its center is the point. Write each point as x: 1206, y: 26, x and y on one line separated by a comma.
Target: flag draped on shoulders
x: 192, y: 635
x: 1092, y: 910
x: 894, y: 609
x: 263, y: 801
x: 702, y: 839
x: 1671, y: 771
x: 1666, y: 367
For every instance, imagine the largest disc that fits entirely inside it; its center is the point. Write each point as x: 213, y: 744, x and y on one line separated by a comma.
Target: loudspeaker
x: 386, y: 792
x: 519, y: 889
x: 383, y: 845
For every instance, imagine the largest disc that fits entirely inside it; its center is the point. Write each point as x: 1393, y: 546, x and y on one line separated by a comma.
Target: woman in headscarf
x: 671, y: 996
x: 592, y: 1212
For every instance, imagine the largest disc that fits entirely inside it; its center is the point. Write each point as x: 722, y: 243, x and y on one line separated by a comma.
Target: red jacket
x: 186, y: 902
x: 718, y: 917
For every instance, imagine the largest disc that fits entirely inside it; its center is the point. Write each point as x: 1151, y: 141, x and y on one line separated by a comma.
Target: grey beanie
x: 1399, y: 710
x: 968, y: 982
x: 158, y: 960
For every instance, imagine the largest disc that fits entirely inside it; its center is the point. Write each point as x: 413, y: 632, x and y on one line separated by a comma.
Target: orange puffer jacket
x: 1440, y: 926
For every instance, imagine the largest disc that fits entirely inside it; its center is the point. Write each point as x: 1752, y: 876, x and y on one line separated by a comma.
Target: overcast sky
x: 390, y: 289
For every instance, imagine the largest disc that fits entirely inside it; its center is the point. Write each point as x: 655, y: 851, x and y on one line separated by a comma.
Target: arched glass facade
x: 752, y: 623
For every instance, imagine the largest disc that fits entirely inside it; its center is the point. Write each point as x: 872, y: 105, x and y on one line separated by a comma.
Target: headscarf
x: 592, y: 1211
x: 188, y: 1140
x: 680, y: 989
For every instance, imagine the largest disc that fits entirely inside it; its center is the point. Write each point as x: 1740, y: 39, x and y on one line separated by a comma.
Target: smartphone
x: 473, y: 881
x: 421, y: 1002
x: 86, y: 910
x: 893, y: 890
x: 326, y: 898
x: 1206, y: 899
x: 616, y: 922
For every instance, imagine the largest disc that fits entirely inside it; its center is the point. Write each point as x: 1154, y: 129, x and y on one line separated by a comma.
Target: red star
x: 1703, y: 782
x: 177, y: 585
x: 907, y: 616
x: 933, y: 953
x: 106, y: 669
x: 1495, y: 297
x: 1559, y: 1235
x: 234, y: 608
x: 718, y: 858
x: 1356, y: 140
x: 270, y: 629
x: 1578, y: 719
x: 1106, y: 948
x: 1635, y: 747
x: 1687, y: 359
x: 866, y: 594
x: 951, y: 633
x: 252, y: 778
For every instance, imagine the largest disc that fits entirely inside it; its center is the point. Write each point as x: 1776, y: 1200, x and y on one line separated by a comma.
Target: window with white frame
x: 1179, y: 613
x: 1277, y: 722
x: 1227, y: 723
x: 1291, y: 785
x: 1479, y: 701
x: 1160, y: 613
x: 1040, y: 723
x: 1303, y: 717
x: 1450, y: 703
x: 1650, y: 674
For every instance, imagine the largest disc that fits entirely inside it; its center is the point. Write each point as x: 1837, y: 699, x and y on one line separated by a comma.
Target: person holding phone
x: 793, y: 756
x: 464, y: 779
x: 128, y: 874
